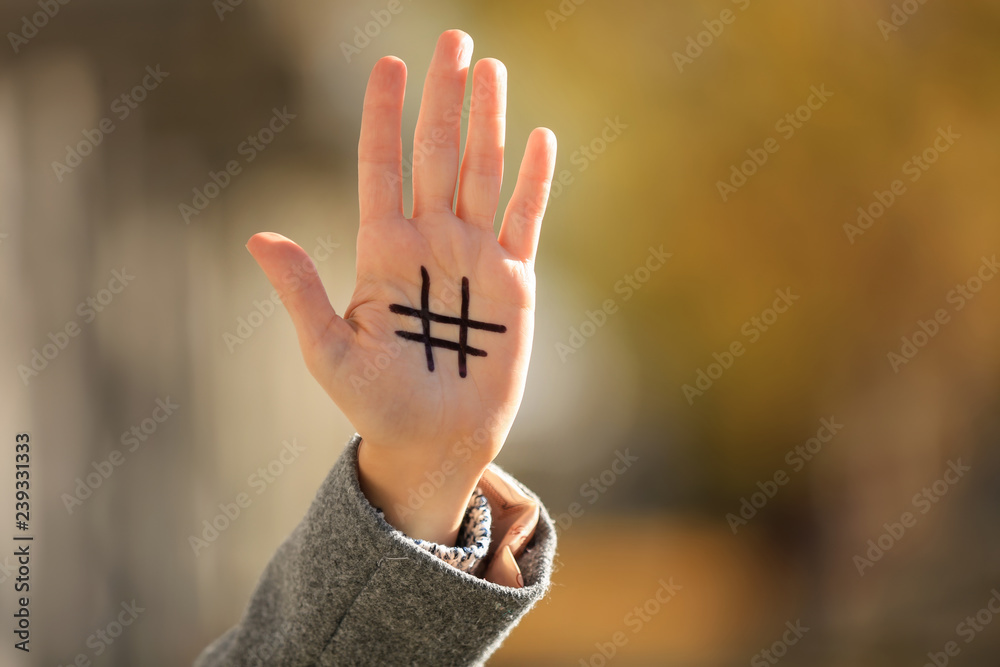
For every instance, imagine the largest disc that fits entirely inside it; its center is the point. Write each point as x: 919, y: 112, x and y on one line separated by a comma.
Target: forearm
x: 346, y: 588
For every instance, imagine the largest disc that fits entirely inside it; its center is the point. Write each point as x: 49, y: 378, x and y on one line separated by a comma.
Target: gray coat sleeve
x: 347, y: 589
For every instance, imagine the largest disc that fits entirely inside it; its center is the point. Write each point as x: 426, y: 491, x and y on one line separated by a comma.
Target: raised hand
x: 430, y: 358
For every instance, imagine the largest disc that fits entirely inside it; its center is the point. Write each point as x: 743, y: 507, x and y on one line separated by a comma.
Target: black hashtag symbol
x: 22, y: 525
x: 463, y: 322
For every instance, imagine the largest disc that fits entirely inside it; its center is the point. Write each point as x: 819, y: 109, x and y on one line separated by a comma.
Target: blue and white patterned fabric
x: 473, y: 537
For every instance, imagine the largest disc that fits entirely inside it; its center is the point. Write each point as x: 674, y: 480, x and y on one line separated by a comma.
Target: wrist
x: 422, y: 497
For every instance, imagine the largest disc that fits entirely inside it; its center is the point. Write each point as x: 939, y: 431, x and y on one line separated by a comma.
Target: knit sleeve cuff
x: 473, y: 542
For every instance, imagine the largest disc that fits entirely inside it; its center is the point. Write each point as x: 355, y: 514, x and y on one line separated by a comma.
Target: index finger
x: 380, y: 150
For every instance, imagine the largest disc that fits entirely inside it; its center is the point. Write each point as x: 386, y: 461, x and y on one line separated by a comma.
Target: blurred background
x: 794, y: 378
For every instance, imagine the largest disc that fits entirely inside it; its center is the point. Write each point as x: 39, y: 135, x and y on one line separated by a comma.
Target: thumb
x: 293, y: 275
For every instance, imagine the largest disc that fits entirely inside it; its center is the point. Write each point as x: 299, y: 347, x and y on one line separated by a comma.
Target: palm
x: 392, y: 389
x: 381, y: 380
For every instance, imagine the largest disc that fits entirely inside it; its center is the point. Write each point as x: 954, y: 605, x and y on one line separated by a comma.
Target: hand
x: 412, y: 419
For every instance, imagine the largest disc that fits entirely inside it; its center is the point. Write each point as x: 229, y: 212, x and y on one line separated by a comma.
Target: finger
x: 435, y: 144
x: 522, y: 221
x: 482, y: 164
x: 293, y: 275
x: 380, y: 176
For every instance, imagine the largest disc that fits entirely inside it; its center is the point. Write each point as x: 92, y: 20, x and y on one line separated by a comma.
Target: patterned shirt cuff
x: 473, y: 537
